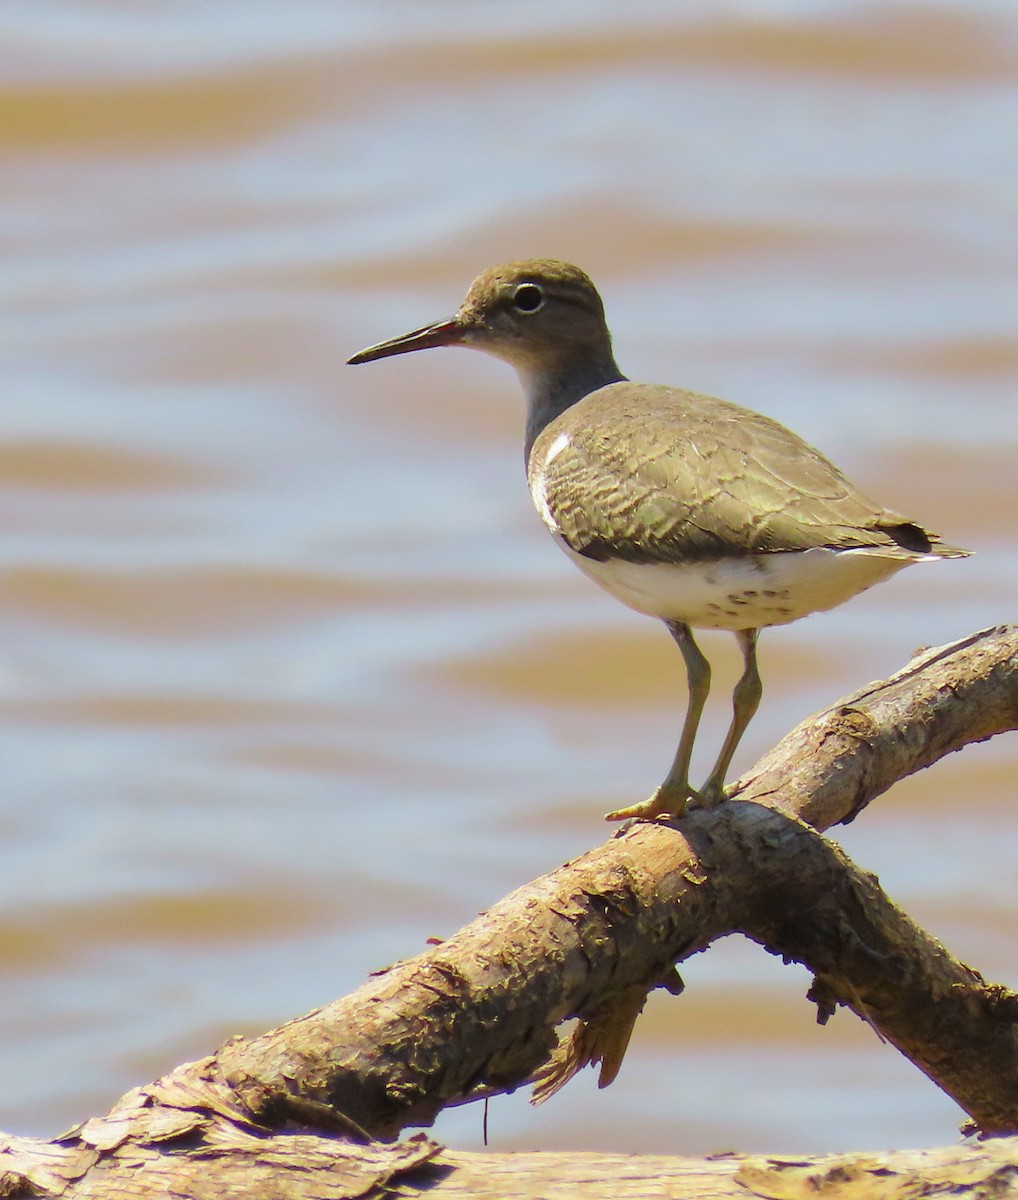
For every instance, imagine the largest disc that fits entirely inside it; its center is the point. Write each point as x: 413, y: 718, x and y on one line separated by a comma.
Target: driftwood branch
x: 589, y: 939
x: 233, y: 1161
x: 479, y: 1013
x: 832, y: 765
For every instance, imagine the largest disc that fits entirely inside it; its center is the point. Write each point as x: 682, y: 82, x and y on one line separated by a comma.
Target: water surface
x: 292, y: 677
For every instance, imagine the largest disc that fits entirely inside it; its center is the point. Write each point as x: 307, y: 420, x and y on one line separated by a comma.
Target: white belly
x: 742, y: 593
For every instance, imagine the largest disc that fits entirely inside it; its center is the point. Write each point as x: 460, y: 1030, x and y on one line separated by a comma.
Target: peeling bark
x: 305, y: 1105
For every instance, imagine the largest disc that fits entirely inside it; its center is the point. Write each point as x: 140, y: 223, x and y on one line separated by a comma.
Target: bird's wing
x: 654, y: 474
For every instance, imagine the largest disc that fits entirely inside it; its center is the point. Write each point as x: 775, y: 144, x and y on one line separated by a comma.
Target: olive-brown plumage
x: 629, y: 485
x: 683, y: 506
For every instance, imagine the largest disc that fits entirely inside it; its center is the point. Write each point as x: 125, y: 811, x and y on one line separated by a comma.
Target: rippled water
x: 292, y: 678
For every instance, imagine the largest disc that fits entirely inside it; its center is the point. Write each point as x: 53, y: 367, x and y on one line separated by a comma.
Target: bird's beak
x: 444, y: 333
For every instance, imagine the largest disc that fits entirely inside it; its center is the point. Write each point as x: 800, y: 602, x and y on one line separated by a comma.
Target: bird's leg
x: 745, y: 702
x: 672, y: 795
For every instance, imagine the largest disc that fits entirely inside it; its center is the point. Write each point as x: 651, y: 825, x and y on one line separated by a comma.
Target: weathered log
x: 232, y: 1160
x: 479, y: 1012
x: 590, y: 939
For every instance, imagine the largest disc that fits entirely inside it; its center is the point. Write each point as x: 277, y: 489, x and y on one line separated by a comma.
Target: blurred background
x: 292, y: 678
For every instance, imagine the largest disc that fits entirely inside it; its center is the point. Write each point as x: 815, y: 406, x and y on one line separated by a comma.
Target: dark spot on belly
x: 781, y: 595
x: 736, y: 600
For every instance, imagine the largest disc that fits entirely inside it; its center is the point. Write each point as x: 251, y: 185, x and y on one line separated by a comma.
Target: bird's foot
x: 710, y: 795
x: 670, y: 803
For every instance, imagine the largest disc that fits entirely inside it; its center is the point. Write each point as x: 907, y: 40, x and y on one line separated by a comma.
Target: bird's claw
x: 662, y: 805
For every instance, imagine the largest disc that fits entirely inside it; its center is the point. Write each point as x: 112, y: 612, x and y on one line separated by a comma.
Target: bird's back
x: 651, y: 474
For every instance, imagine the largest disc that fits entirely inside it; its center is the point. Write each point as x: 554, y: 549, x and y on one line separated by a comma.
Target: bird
x: 683, y: 506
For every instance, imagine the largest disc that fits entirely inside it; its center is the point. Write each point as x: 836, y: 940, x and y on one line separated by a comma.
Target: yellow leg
x: 671, y: 797
x: 745, y: 702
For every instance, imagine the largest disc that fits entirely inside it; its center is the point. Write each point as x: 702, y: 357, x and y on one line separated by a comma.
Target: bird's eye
x: 528, y: 298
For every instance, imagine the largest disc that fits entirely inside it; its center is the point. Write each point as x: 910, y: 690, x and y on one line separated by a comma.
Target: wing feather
x: 656, y: 474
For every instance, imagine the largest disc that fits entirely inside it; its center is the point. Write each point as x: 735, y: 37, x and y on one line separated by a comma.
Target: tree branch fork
x: 479, y: 1013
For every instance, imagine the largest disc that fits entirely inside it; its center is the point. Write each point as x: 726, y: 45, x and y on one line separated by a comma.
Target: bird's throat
x: 551, y: 388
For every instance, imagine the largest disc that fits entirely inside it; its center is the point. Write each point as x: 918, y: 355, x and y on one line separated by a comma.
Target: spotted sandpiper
x: 683, y: 506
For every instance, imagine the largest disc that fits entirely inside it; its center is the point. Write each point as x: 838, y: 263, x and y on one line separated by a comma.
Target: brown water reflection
x: 292, y: 677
